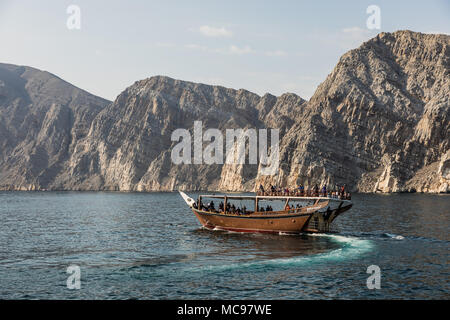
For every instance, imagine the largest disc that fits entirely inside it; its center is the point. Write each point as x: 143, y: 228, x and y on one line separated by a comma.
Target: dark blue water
x: 150, y: 246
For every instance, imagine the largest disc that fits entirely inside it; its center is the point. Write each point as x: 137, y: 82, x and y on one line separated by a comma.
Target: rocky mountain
x: 129, y: 145
x: 42, y: 118
x: 379, y: 122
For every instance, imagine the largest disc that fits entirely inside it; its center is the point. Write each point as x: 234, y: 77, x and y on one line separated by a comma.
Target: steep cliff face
x: 379, y: 122
x: 379, y: 117
x: 42, y: 118
x: 129, y: 146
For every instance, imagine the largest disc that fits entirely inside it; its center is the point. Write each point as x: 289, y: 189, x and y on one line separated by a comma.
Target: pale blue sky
x: 262, y: 46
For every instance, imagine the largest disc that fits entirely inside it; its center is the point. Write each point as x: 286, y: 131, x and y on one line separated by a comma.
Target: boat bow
x: 189, y: 201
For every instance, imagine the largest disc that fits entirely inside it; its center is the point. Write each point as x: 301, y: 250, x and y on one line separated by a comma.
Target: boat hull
x: 288, y: 223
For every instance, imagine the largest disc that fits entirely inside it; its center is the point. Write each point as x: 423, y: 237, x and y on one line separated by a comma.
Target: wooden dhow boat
x: 296, y: 214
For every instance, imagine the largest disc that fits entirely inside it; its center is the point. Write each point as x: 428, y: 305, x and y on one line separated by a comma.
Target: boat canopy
x: 237, y: 197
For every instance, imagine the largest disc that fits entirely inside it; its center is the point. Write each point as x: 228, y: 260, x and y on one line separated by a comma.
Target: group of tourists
x: 300, y: 191
x: 286, y: 207
x: 231, y: 208
x: 209, y: 207
x: 268, y: 208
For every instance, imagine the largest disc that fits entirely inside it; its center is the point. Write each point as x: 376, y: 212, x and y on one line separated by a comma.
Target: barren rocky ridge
x: 379, y: 122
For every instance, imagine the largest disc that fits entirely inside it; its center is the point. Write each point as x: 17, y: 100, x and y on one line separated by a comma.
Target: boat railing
x: 306, y: 193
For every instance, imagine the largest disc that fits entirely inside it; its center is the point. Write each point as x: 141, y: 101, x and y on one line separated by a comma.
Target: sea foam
x: 350, y: 247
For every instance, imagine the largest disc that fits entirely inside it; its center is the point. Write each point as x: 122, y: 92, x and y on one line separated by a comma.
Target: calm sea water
x: 150, y: 246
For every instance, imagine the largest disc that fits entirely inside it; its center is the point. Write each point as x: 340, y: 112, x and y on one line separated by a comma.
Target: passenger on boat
x: 221, y: 206
x: 287, y: 207
x: 228, y: 207
x: 272, y: 189
x: 342, y: 190
x: 211, y: 206
x: 238, y: 211
x: 316, y: 190
x: 244, y: 209
x: 301, y: 189
x: 324, y: 190
x: 233, y: 208
x: 261, y: 189
x: 261, y: 209
x: 201, y: 206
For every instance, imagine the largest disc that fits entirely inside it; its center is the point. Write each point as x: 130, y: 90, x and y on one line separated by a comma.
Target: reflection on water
x: 136, y: 245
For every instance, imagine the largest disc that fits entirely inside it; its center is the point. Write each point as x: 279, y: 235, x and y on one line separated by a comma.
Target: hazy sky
x: 262, y: 46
